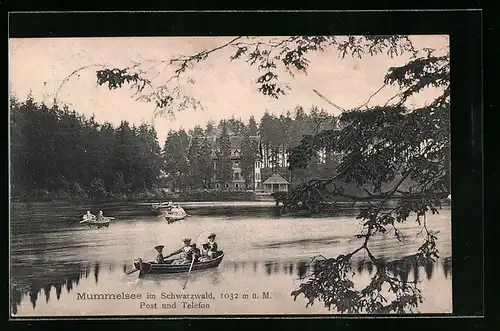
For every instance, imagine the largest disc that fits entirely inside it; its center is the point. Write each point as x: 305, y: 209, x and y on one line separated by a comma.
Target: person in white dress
x: 186, y: 252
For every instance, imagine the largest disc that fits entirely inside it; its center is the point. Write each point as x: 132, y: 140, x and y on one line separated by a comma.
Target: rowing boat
x: 169, y: 210
x: 169, y: 268
x: 162, y: 207
x: 171, y: 214
x: 175, y: 214
x: 92, y: 222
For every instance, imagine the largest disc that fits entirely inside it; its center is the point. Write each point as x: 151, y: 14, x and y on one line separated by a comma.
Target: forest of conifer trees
x: 58, y: 154
x: 190, y: 155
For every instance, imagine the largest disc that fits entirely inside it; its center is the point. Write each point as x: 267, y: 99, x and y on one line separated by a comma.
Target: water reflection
x: 302, y: 269
x: 447, y: 267
x: 72, y: 276
x: 403, y: 269
x: 67, y: 277
x: 96, y: 272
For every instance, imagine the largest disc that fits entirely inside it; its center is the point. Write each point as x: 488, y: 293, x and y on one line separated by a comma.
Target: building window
x: 226, y: 185
x: 236, y: 175
x: 236, y: 185
x: 217, y: 185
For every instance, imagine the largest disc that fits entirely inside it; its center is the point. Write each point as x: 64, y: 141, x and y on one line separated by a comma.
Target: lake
x: 54, y: 259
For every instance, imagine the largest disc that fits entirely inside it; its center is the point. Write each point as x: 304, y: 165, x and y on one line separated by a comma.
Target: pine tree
x: 196, y: 167
x: 223, y: 161
x: 175, y: 158
x: 249, y: 154
x: 252, y: 128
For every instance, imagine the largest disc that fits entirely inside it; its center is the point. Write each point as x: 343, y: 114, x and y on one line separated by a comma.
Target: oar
x: 131, y: 271
x: 189, y: 273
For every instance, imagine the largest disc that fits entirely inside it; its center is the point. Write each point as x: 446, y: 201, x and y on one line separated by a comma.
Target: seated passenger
x: 89, y: 216
x: 159, y: 258
x: 213, y: 251
x: 100, y: 216
x: 195, y: 253
x: 204, y: 252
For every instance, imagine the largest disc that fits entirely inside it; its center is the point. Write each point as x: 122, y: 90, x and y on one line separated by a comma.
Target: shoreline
x: 141, y: 201
x: 208, y: 196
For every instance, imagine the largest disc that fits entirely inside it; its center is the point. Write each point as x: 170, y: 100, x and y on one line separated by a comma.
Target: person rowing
x: 100, y: 216
x: 195, y: 252
x: 88, y: 216
x: 186, y: 251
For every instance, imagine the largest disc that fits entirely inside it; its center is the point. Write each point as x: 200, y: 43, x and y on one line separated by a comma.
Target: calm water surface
x: 53, y: 258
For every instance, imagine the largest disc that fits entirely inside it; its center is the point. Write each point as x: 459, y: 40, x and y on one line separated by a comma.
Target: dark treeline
x: 190, y: 155
x: 58, y: 154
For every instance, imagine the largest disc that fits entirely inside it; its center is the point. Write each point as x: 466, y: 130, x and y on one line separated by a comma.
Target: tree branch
x: 371, y: 96
x: 327, y: 100
x: 65, y: 80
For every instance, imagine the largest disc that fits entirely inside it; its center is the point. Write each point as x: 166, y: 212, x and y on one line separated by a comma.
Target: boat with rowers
x: 100, y: 221
x: 192, y: 258
x: 168, y: 267
x: 170, y: 211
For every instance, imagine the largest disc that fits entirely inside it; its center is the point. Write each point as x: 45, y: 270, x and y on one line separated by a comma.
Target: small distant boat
x: 161, y: 208
x: 93, y: 222
x: 170, y: 211
x: 175, y: 214
x: 169, y: 268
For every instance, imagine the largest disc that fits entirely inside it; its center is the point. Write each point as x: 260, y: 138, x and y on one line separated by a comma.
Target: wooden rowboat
x: 175, y: 214
x: 104, y: 223
x: 162, y: 207
x: 169, y: 268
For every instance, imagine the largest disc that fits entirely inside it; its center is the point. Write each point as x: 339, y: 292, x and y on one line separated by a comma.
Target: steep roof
x: 276, y: 178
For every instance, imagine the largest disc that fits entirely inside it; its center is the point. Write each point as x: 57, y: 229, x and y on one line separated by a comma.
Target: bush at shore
x: 76, y: 193
x: 217, y: 195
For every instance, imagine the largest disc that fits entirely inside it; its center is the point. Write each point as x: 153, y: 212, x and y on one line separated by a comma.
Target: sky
x: 225, y: 88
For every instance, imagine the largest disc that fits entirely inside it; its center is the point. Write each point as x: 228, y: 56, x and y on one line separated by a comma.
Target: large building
x: 264, y: 165
x: 238, y: 181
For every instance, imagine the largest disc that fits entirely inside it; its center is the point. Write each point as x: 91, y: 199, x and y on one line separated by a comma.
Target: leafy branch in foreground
x: 164, y: 82
x: 392, y: 152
